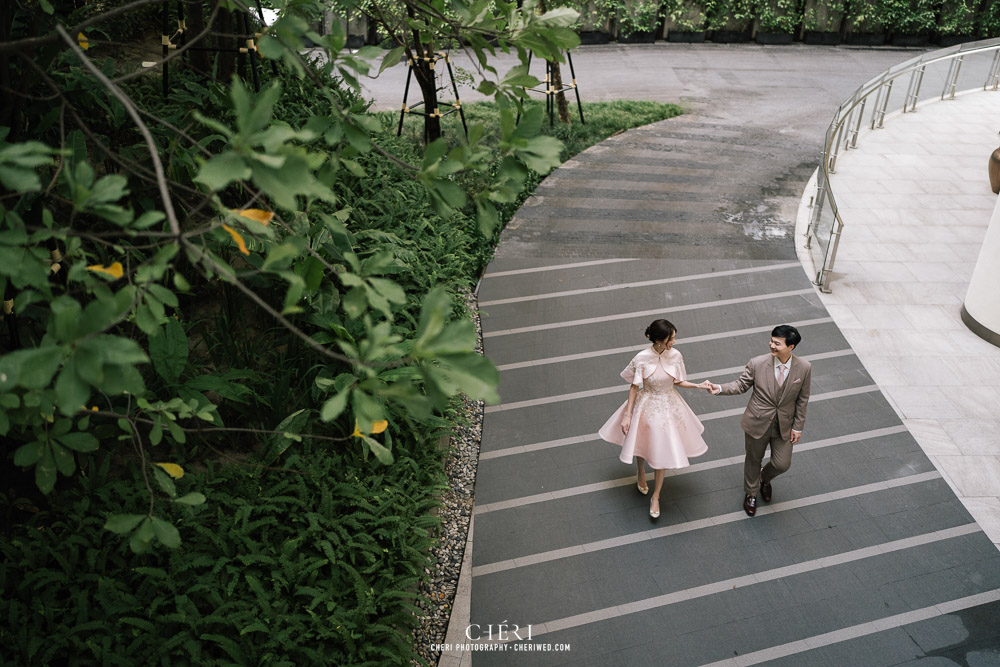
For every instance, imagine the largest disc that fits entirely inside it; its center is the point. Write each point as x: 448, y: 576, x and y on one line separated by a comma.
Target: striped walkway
x: 864, y: 557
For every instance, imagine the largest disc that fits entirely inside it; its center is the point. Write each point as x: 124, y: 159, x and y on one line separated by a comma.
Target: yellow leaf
x: 82, y: 40
x: 377, y: 427
x: 172, y: 469
x: 240, y: 243
x: 263, y: 217
x: 115, y: 270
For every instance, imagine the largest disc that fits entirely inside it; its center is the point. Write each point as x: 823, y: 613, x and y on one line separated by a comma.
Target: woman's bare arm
x: 627, y: 417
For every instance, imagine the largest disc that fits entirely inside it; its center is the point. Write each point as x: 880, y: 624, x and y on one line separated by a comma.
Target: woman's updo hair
x: 660, y: 330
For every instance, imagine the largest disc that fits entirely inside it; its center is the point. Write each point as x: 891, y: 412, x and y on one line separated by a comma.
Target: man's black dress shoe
x: 765, y: 491
x: 750, y: 505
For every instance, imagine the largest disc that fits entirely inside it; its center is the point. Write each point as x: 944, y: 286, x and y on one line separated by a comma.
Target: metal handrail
x: 841, y: 135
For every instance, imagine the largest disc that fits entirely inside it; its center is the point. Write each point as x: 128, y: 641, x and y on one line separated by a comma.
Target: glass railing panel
x: 822, y: 230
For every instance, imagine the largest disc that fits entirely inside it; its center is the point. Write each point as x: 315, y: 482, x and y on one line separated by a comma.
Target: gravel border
x: 438, y: 592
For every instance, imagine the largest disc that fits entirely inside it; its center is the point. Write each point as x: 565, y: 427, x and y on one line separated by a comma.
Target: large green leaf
x: 63, y: 458
x: 433, y: 316
x: 333, y: 407
x: 29, y: 454
x: 78, y: 441
x: 142, y: 537
x: 66, y: 312
x: 45, y: 470
x: 166, y: 484
x: 166, y: 533
x: 194, y: 498
x: 253, y: 112
x: 391, y: 58
x: 222, y: 169
x: 224, y: 385
x: 383, y: 454
x: 108, y: 189
x: 123, y: 523
x: 169, y: 350
x: 367, y: 410
x: 122, y: 379
x: 471, y: 374
x: 34, y: 368
x: 18, y: 163
x: 119, y: 350
x: 10, y: 373
x: 71, y: 392
x: 89, y: 364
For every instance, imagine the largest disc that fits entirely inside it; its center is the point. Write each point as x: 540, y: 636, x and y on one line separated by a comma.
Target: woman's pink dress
x: 664, y: 430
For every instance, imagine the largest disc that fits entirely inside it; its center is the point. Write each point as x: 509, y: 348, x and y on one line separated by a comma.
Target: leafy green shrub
x: 729, y: 14
x: 246, y: 342
x: 957, y: 18
x: 781, y: 16
x: 824, y: 16
x: 311, y: 563
x: 685, y: 15
x: 907, y: 17
x: 865, y: 15
x: 988, y: 22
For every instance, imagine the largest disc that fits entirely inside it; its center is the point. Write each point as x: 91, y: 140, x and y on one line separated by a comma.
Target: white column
x: 981, y: 310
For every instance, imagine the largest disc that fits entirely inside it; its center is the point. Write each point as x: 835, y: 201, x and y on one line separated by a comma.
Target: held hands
x: 709, y: 387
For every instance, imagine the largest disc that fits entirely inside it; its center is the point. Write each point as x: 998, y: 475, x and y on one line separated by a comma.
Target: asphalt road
x: 754, y: 122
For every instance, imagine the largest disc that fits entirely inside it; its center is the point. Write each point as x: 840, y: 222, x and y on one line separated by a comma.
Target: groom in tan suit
x: 776, y: 413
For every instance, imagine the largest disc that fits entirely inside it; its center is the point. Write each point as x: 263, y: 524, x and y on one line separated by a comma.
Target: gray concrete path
x: 865, y: 556
x: 916, y: 202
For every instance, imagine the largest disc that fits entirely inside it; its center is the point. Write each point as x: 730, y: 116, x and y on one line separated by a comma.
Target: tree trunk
x: 427, y: 80
x: 561, y: 105
x: 195, y: 12
x: 556, y: 83
x: 226, y: 59
x: 6, y: 63
x: 423, y: 72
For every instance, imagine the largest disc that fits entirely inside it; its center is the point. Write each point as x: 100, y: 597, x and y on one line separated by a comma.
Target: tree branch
x: 256, y: 298
x: 154, y: 154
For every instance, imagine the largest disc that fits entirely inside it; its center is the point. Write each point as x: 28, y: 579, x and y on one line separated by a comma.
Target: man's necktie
x: 781, y: 375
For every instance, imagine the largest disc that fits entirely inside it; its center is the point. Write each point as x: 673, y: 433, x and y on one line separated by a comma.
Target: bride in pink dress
x: 655, y: 424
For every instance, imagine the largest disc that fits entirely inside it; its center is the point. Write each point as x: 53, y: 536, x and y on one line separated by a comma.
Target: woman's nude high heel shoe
x: 656, y: 514
x: 642, y: 489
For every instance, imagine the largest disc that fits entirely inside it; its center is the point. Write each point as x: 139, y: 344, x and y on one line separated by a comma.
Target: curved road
x: 865, y: 556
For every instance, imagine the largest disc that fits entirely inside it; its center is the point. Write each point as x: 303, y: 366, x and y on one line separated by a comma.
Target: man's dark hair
x: 789, y: 333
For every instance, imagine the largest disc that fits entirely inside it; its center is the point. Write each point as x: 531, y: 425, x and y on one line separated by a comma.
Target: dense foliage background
x: 232, y: 346
x: 972, y: 19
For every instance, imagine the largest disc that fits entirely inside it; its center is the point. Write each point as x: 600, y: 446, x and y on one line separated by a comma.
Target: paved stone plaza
x: 865, y: 556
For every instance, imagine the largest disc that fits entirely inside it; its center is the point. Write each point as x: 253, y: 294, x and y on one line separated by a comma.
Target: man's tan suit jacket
x: 788, y: 401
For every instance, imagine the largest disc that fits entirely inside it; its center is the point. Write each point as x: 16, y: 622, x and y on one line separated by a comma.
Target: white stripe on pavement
x: 703, y: 417
x: 556, y: 267
x: 697, y: 467
x: 647, y: 313
x: 622, y: 388
x: 636, y: 348
x: 656, y: 533
x: 860, y: 630
x: 642, y: 283
x: 770, y: 575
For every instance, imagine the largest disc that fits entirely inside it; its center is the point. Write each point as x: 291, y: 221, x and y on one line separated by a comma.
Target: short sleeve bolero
x: 644, y: 364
